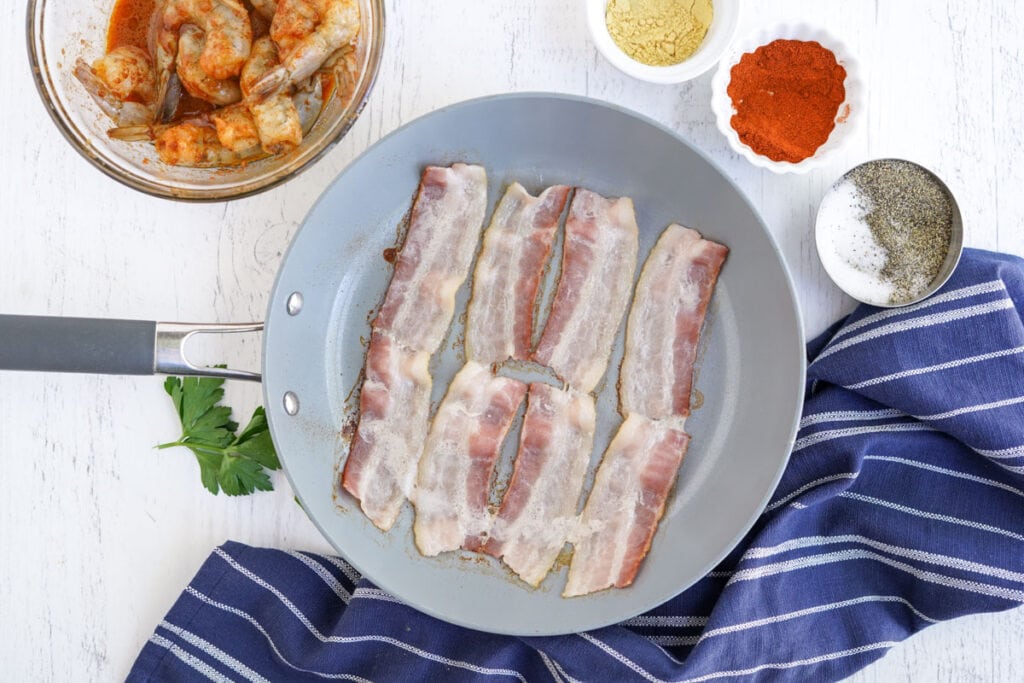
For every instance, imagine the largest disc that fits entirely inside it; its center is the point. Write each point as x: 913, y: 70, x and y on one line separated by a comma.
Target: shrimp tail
x: 126, y: 113
x: 273, y: 82
x: 168, y: 103
x: 136, y: 133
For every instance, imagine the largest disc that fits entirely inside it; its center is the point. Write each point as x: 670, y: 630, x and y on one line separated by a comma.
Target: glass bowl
x: 60, y: 31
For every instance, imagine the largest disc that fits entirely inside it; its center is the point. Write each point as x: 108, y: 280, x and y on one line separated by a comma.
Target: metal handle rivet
x: 294, y: 304
x: 291, y: 403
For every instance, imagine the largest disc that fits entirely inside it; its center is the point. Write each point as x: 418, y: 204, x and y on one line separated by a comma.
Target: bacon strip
x: 393, y: 409
x: 444, y: 229
x: 538, y: 511
x: 458, y: 460
x: 640, y: 465
x: 598, y: 264
x: 625, y: 504
x: 664, y: 324
x: 507, y: 276
x: 394, y: 405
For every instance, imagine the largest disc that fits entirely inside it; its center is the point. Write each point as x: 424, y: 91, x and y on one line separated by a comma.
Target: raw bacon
x: 598, y: 264
x: 516, y: 247
x: 393, y: 409
x: 444, y: 229
x: 458, y: 460
x: 671, y: 299
x: 626, y: 502
x: 538, y: 511
x: 394, y: 405
x: 640, y: 466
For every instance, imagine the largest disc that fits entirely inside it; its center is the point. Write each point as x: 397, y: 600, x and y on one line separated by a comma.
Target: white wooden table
x: 99, y: 532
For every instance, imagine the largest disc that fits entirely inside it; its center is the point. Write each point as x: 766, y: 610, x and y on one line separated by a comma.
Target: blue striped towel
x: 903, y: 506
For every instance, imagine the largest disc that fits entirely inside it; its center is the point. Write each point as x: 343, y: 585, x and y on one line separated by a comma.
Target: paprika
x: 786, y: 95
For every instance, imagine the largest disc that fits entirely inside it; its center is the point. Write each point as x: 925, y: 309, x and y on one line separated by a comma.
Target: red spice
x: 786, y: 94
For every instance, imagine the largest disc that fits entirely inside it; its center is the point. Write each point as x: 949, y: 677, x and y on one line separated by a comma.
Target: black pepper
x: 910, y: 215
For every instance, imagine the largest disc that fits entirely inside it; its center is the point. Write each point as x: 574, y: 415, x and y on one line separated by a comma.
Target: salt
x: 848, y: 250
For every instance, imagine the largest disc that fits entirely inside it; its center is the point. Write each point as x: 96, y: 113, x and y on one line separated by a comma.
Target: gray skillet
x: 750, y: 372
x: 750, y: 369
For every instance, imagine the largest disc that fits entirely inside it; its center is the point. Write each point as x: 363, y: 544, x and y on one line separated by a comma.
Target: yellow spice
x: 659, y: 32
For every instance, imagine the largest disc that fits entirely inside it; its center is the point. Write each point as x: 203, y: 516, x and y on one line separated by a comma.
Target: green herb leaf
x: 239, y: 477
x: 209, y: 469
x: 260, y: 448
x: 173, y: 388
x: 234, y: 464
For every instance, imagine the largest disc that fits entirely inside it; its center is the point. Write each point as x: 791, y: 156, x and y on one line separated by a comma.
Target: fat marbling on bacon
x: 640, y: 465
x: 664, y: 324
x: 458, y: 460
x: 538, y: 511
x: 444, y: 229
x: 598, y: 264
x: 625, y: 504
x: 516, y: 248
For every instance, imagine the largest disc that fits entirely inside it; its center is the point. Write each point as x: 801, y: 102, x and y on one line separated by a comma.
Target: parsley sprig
x: 229, y: 462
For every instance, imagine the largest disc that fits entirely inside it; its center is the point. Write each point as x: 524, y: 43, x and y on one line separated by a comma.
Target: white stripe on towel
x: 324, y: 575
x: 270, y: 641
x: 810, y: 485
x: 621, y: 658
x: 973, y: 409
x: 652, y: 620
x: 948, y: 472
x: 911, y: 553
x: 214, y: 651
x: 1012, y: 452
x: 190, y: 659
x: 376, y: 594
x: 954, y: 295
x: 817, y: 609
x: 674, y: 641
x: 850, y: 416
x: 829, y: 434
x: 786, y: 566
x: 916, y: 323
x: 932, y: 515
x: 345, y: 568
x: 959, y: 362
x: 304, y: 620
x: 886, y: 644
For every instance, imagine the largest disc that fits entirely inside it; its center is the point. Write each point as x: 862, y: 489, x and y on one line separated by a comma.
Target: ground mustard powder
x: 659, y: 32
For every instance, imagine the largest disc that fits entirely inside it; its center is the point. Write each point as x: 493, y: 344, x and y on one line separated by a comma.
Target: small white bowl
x: 847, y: 124
x: 721, y: 32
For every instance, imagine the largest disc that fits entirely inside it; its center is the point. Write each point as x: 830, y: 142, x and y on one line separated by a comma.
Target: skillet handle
x: 110, y: 347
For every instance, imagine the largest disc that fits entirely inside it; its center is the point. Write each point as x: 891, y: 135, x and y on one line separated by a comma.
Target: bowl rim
x: 957, y: 237
x: 43, y: 80
x: 856, y: 93
x: 693, y: 66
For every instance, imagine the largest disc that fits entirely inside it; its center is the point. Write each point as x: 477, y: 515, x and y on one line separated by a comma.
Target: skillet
x: 749, y: 376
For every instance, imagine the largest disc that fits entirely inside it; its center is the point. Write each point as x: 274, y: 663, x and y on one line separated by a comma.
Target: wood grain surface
x: 99, y: 532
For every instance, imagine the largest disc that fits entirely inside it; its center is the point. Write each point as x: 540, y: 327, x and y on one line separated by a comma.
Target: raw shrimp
x: 228, y: 38
x: 236, y: 129
x: 276, y: 117
x: 123, y: 84
x: 303, y: 47
x: 195, y: 144
x: 292, y: 22
x: 191, y: 42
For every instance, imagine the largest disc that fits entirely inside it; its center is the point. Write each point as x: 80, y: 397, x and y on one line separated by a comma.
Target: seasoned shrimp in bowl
x: 195, y: 99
